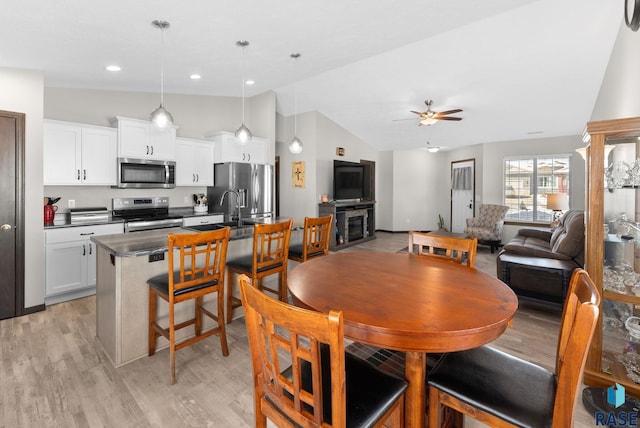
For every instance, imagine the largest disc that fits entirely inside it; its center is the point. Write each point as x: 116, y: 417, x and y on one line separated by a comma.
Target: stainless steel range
x: 145, y: 213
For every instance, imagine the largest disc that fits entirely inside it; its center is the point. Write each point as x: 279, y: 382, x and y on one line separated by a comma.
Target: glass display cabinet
x: 612, y: 250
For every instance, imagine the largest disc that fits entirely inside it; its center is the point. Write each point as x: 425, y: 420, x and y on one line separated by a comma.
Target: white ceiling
x: 518, y: 68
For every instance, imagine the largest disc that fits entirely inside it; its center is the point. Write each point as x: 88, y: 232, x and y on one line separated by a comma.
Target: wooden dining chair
x: 269, y: 257
x: 202, y: 258
x: 315, y: 239
x: 501, y: 390
x: 454, y: 248
x: 302, y: 375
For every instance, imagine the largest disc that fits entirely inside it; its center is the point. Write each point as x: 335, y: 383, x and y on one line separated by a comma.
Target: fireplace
x: 355, y: 228
x: 354, y: 225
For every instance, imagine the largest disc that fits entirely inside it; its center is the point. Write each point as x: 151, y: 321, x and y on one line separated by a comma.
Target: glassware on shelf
x: 634, y: 173
x: 618, y: 175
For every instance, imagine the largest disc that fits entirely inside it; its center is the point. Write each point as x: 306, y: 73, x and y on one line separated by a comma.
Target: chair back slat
x: 202, y: 258
x: 271, y: 244
x: 316, y: 235
x: 579, y: 320
x: 281, y: 335
x: 454, y: 248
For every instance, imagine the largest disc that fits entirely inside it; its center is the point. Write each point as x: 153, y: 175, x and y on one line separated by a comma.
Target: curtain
x: 461, y: 178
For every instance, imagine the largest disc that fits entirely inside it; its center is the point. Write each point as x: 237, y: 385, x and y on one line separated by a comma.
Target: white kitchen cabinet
x: 194, y: 162
x: 227, y: 148
x: 139, y: 139
x: 75, y: 154
x: 70, y: 261
x: 202, y: 219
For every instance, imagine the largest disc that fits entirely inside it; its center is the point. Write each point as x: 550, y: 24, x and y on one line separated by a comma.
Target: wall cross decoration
x: 297, y: 174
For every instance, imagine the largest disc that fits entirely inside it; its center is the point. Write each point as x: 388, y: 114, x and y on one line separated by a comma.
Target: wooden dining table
x: 404, y: 302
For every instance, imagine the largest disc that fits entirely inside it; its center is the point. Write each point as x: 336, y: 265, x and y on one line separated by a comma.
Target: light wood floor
x: 54, y: 373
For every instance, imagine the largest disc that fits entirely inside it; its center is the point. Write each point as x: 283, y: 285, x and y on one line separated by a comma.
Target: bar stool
x: 315, y: 239
x: 201, y: 272
x: 270, y: 254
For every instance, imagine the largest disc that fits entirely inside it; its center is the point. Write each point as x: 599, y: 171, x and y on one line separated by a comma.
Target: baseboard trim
x: 34, y: 309
x: 402, y: 231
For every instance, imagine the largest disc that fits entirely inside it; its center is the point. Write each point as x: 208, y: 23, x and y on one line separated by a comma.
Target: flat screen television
x: 350, y: 180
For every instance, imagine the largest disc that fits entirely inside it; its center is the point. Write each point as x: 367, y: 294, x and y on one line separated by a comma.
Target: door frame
x: 451, y: 189
x: 19, y: 266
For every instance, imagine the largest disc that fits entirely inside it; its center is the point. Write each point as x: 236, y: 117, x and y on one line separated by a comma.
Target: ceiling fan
x: 430, y: 117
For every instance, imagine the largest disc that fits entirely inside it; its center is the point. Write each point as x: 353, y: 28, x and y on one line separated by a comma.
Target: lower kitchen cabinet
x: 70, y: 261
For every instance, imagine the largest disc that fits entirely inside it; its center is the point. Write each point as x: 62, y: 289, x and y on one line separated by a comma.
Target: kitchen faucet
x: 237, y: 204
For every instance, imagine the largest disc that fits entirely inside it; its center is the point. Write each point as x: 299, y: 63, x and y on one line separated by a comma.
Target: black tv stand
x: 354, y: 222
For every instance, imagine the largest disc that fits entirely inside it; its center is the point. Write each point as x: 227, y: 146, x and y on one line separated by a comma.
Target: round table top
x: 406, y: 302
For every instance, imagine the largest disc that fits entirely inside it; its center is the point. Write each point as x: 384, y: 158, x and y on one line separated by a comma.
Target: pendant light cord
x: 162, y: 66
x: 243, y: 46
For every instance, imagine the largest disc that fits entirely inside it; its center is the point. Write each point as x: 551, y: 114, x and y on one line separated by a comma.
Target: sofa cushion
x: 570, y: 241
x: 533, y: 247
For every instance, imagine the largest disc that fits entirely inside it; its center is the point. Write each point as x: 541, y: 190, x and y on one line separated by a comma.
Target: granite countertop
x: 63, y: 219
x: 147, y: 242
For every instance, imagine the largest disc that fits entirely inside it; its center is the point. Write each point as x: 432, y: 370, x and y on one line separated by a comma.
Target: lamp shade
x: 558, y: 201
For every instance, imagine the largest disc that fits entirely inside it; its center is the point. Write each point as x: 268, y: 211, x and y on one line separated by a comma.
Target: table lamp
x: 558, y: 203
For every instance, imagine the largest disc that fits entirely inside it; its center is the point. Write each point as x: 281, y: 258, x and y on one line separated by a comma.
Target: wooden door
x: 11, y: 214
x: 463, y: 190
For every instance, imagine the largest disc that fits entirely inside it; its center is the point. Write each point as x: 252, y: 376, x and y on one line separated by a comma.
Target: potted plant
x: 441, y: 223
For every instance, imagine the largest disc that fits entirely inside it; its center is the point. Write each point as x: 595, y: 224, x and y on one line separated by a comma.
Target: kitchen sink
x: 215, y: 226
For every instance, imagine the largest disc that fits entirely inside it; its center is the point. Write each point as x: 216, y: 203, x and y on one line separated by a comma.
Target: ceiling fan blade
x: 450, y: 111
x: 398, y: 120
x: 417, y: 112
x: 449, y: 118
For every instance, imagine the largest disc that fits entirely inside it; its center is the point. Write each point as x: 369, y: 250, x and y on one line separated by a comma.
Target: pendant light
x: 296, y: 145
x: 243, y: 133
x: 160, y: 116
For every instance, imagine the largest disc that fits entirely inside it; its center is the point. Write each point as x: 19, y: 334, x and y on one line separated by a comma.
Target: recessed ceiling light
x: 250, y: 82
x: 112, y: 68
x: 195, y: 77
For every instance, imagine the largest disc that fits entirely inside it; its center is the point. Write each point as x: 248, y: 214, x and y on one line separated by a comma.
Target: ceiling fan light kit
x: 160, y: 117
x: 431, y: 117
x: 243, y: 134
x: 432, y: 149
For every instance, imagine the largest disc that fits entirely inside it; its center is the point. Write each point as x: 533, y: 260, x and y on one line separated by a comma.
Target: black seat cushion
x: 498, y: 383
x: 161, y: 283
x: 370, y: 392
x: 296, y: 251
x: 245, y: 264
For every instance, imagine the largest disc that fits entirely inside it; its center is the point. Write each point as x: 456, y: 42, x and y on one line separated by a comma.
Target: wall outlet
x: 186, y: 200
x: 71, y: 203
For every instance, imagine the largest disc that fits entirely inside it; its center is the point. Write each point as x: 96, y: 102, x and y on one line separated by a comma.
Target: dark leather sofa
x: 538, y: 264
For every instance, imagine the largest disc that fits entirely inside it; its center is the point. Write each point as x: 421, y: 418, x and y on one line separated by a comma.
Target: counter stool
x: 270, y: 252
x: 315, y: 239
x: 201, y: 271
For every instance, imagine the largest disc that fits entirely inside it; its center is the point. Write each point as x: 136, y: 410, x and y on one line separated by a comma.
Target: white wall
x: 320, y: 137
x: 618, y: 96
x: 21, y: 91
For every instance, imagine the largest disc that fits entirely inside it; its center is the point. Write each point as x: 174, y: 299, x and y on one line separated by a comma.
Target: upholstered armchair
x: 487, y: 227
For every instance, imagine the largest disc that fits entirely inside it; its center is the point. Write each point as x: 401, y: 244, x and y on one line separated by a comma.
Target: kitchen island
x: 124, y: 263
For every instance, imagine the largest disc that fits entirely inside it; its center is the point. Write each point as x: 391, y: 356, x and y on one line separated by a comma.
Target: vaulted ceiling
x: 518, y: 69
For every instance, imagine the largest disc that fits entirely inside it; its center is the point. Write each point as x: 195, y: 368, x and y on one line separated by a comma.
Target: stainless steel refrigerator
x: 253, y: 183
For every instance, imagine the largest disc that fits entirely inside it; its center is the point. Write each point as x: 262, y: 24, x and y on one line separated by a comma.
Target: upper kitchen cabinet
x: 139, y: 139
x: 76, y: 154
x: 227, y: 148
x: 194, y: 162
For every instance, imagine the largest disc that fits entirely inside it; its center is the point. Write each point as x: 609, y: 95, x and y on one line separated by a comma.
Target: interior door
x: 463, y: 190
x: 11, y: 215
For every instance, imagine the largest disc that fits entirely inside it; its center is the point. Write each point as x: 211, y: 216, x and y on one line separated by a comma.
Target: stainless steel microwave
x: 146, y: 174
